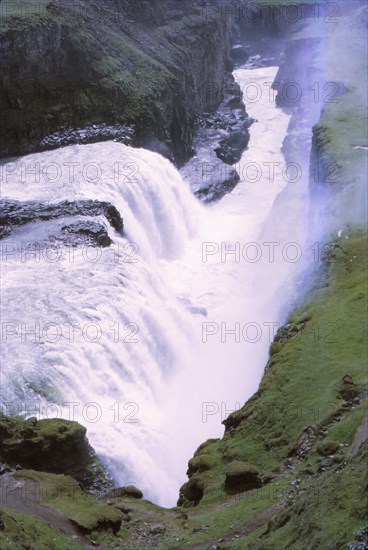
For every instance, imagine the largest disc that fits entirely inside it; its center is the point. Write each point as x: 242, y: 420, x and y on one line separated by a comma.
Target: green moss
x: 327, y: 514
x: 29, y: 533
x: 344, y: 431
x: 129, y: 491
x: 54, y: 445
x: 63, y: 494
x: 200, y: 463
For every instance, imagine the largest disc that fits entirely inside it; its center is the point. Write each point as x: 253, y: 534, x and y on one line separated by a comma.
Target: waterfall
x: 150, y: 342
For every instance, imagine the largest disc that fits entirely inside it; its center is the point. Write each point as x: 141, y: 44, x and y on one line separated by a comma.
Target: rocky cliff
x: 123, y: 69
x: 290, y: 471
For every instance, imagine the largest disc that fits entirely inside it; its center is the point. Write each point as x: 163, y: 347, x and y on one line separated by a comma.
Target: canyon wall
x: 139, y: 72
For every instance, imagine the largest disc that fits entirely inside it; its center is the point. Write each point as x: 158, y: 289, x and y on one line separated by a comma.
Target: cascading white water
x: 122, y: 343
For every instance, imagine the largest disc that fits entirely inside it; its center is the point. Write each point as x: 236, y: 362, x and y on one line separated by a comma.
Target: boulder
x: 239, y: 54
x: 241, y: 476
x: 16, y: 213
x: 210, y: 178
x: 328, y: 448
x: 52, y: 445
x: 200, y: 463
x: 231, y: 148
x: 86, y: 233
x: 191, y: 492
x: 130, y: 491
x: 347, y: 389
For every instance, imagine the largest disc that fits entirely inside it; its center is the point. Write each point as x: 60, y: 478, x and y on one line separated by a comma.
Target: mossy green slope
x: 63, y: 494
x: 24, y: 532
x: 55, y: 445
x: 328, y: 513
x: 324, y: 340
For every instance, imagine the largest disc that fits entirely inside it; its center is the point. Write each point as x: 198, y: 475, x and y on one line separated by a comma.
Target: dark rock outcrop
x: 241, y: 476
x: 232, y: 146
x: 347, y: 388
x: 14, y: 214
x: 143, y: 69
x: 52, y: 445
x: 130, y: 491
x: 191, y: 492
x: 220, y: 141
x: 86, y: 233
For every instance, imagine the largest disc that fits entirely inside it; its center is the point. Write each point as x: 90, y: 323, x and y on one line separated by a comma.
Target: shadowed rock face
x: 220, y: 142
x: 52, y: 445
x: 241, y: 476
x: 138, y: 72
x: 15, y: 213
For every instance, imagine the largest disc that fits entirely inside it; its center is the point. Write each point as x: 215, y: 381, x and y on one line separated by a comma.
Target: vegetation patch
x: 52, y: 445
x: 63, y: 494
x: 24, y: 532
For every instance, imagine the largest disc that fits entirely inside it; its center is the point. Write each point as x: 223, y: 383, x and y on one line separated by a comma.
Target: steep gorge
x: 282, y: 448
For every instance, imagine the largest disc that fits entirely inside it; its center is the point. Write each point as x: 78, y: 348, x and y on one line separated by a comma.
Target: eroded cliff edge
x: 296, y: 465
x: 115, y: 69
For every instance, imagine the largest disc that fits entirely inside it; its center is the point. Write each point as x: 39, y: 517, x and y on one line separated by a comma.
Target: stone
x: 241, y: 476
x: 52, y: 445
x: 158, y: 529
x: 347, y: 389
x: 231, y: 147
x: 191, y: 492
x: 86, y: 233
x: 328, y: 448
x: 16, y: 213
x: 129, y: 491
x: 239, y: 54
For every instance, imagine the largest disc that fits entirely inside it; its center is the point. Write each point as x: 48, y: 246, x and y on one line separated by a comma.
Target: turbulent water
x: 151, y: 342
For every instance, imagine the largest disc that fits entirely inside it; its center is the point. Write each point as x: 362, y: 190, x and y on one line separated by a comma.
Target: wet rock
x: 239, y: 54
x: 15, y: 213
x: 4, y: 469
x: 193, y: 308
x: 89, y: 232
x: 88, y: 134
x: 210, y: 178
x: 231, y: 147
x: 221, y: 139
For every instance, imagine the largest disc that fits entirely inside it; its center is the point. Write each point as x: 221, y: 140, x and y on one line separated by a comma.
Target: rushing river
x: 151, y: 342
